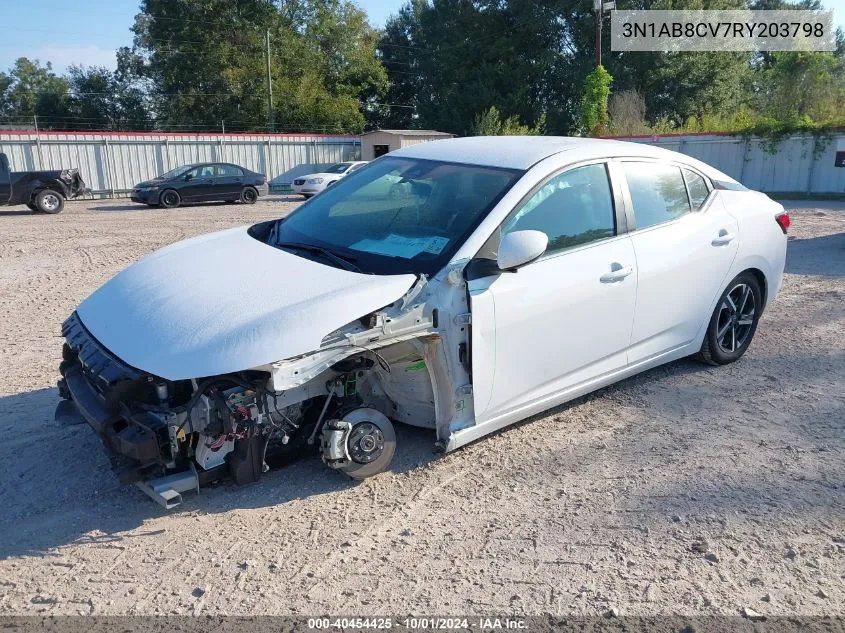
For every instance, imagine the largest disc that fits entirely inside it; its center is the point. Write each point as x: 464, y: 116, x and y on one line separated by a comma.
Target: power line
x: 71, y: 93
x: 162, y: 40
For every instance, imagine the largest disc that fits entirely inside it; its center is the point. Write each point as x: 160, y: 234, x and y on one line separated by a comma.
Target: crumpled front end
x: 169, y: 436
x: 74, y: 184
x: 310, y: 359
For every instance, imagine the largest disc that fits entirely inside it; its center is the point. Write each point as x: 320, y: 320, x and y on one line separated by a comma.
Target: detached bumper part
x: 246, y: 461
x: 125, y: 434
x: 167, y: 491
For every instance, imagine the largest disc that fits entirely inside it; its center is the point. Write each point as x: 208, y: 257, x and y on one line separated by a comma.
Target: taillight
x: 783, y: 220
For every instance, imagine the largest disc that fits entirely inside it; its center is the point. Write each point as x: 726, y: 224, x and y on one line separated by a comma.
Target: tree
x: 448, y: 61
x: 490, y: 123
x: 594, y: 114
x: 106, y: 100
x: 680, y: 85
x: 32, y: 90
x: 804, y: 86
x: 397, y: 53
x: 204, y: 63
x: 627, y: 112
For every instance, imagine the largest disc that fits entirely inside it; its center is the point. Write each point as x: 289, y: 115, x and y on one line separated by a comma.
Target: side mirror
x: 521, y: 247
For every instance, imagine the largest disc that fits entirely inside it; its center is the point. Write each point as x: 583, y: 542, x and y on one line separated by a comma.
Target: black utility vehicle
x: 44, y: 191
x: 201, y: 182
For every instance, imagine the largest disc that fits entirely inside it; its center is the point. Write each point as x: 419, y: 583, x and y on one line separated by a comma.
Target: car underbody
x: 407, y: 362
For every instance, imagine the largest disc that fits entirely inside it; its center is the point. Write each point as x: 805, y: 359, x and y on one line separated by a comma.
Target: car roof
x: 212, y: 162
x: 522, y: 152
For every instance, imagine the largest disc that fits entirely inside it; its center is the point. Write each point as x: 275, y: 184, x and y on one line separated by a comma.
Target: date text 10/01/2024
x: 419, y: 623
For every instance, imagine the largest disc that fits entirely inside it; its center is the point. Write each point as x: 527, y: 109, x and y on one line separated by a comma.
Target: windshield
x: 338, y: 169
x: 176, y: 172
x: 397, y: 214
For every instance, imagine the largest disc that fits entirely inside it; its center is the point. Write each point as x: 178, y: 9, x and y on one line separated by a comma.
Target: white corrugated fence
x: 112, y: 163
x: 797, y: 164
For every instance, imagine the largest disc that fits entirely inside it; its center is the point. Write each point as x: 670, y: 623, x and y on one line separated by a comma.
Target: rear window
x: 697, y: 187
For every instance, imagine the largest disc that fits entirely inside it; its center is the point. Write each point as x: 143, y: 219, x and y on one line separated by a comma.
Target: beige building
x: 380, y: 142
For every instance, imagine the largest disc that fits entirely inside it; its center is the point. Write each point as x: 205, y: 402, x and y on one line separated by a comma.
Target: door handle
x: 724, y: 238
x: 618, y: 272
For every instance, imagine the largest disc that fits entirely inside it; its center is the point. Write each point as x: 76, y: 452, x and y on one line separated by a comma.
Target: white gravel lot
x: 686, y: 490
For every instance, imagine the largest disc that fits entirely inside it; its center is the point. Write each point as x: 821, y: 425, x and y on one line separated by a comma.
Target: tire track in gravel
x: 399, y: 511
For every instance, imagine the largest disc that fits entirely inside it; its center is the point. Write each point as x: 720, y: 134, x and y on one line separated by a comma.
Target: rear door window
x: 229, y: 170
x: 658, y: 192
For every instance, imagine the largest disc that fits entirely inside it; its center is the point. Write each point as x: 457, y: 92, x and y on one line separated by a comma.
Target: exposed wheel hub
x: 361, y: 444
x: 365, y: 443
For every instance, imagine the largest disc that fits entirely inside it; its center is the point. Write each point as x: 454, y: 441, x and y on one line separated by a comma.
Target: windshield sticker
x: 402, y: 246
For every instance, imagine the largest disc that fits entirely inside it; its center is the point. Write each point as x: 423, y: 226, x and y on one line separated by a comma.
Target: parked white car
x: 312, y: 184
x: 503, y: 277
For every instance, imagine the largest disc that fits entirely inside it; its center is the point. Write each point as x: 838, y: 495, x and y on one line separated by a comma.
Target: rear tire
x: 249, y: 195
x: 49, y: 201
x: 734, y: 321
x: 170, y: 199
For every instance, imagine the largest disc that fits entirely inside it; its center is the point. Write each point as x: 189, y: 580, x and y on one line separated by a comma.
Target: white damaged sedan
x: 504, y: 277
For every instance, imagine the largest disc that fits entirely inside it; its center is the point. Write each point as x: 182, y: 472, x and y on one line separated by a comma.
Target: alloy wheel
x: 736, y: 318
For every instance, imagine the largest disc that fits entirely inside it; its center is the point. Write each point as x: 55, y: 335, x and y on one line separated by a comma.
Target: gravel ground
x: 686, y: 490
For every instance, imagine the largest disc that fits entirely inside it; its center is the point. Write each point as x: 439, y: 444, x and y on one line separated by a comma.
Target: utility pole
x: 38, y: 142
x: 270, y: 126
x: 600, y: 6
x: 598, y: 11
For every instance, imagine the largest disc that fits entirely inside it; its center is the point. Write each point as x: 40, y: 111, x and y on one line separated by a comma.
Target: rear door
x: 5, y: 179
x: 685, y: 242
x: 229, y: 182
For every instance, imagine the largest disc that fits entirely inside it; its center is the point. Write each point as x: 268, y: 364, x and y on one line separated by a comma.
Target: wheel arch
x: 42, y: 185
x: 764, y: 284
x: 754, y: 266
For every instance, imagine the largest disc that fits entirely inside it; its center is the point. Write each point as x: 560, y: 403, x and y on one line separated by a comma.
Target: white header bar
x: 728, y: 31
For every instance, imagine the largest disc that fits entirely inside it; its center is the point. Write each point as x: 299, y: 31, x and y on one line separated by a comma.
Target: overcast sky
x: 88, y: 33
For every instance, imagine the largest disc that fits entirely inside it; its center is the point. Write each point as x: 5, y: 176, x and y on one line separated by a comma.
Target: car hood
x: 322, y: 175
x: 150, y: 183
x: 226, y: 302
